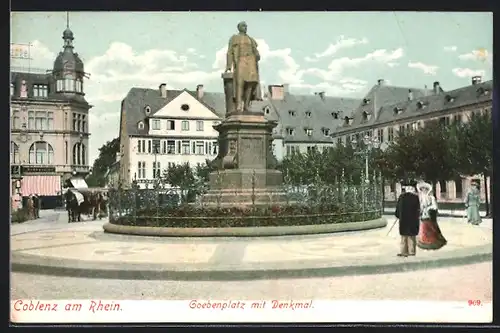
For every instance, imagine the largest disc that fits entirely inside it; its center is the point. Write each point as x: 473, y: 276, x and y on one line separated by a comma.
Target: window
x: 215, y: 147
x: 79, y: 154
x: 266, y: 110
x: 308, y: 114
x: 335, y: 115
x: 156, y: 124
x: 59, y: 85
x: 140, y: 125
x: 147, y: 109
x: 444, y: 121
x: 401, y: 129
x: 311, y: 149
x: 185, y: 147
x: 290, y: 131
x: 185, y: 107
x: 185, y: 125
x: 141, y: 146
x: 199, y: 125
x: 41, y: 152
x: 390, y: 134
x: 156, y: 146
x: 156, y: 170
x: 12, y: 89
x: 290, y: 150
x: 380, y: 135
x: 291, y: 113
x: 164, y: 147
x: 149, y: 147
x: 84, y: 124
x: 15, y: 120
x: 69, y: 84
x: 14, y: 153
x: 366, y: 101
x: 200, y: 148
x: 308, y: 131
x: 79, y: 85
x: 66, y: 152
x: 171, y: 125
x: 43, y: 120
x: 141, y: 170
x: 40, y: 90
x: 74, y: 122
x: 339, y: 141
x: 325, y: 131
x: 170, y: 147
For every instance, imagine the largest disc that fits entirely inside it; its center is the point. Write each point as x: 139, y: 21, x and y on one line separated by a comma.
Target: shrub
x: 20, y: 216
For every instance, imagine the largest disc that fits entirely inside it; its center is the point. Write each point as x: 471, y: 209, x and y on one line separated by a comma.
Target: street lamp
x: 366, y: 149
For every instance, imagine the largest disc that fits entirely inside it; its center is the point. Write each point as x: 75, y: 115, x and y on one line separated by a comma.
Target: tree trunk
x: 486, y: 199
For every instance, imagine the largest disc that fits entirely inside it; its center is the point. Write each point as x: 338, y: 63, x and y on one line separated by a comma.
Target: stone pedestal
x: 246, y: 165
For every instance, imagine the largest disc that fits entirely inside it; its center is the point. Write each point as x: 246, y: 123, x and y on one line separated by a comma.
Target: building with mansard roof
x: 383, y: 121
x: 49, y: 126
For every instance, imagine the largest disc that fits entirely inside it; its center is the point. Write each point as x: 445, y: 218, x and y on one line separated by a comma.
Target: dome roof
x: 67, y: 60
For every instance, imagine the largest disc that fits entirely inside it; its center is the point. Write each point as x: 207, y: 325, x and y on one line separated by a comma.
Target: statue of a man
x: 243, y: 58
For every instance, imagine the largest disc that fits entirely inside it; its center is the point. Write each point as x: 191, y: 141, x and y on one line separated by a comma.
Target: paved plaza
x: 83, y: 249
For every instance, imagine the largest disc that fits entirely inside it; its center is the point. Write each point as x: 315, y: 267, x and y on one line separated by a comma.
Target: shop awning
x: 41, y: 185
x: 78, y: 183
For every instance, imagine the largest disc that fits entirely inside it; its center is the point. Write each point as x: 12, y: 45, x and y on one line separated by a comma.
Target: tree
x: 107, y: 157
x: 182, y: 177
x: 473, y: 145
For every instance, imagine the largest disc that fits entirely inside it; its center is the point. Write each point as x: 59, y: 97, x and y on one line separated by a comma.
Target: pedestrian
x: 29, y: 206
x: 36, y: 207
x: 472, y: 204
x: 408, y: 213
x: 430, y: 236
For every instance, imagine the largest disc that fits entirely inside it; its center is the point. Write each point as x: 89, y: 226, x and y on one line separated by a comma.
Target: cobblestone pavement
x: 460, y: 283
x: 86, y: 242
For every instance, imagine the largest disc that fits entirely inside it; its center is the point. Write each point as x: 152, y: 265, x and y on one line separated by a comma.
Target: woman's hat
x: 424, y: 186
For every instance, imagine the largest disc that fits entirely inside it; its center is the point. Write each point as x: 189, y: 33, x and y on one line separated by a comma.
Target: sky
x: 340, y: 53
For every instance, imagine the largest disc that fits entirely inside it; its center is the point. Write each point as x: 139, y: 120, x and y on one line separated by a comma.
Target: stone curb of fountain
x: 34, y: 264
x: 245, y: 231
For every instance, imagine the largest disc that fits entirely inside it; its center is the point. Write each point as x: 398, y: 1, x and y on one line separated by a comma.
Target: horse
x: 96, y: 199
x: 74, y: 205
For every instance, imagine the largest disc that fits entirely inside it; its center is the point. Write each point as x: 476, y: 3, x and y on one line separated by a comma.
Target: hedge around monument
x: 219, y: 217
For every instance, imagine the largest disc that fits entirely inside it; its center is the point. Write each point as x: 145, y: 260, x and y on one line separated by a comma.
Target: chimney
x: 410, y: 95
x: 381, y: 82
x: 199, y: 91
x: 286, y: 89
x: 437, y: 88
x: 163, y: 90
x: 276, y: 92
x: 476, y: 80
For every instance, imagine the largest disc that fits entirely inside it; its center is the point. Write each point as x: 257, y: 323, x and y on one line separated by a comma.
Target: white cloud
x: 468, y: 72
x: 341, y: 43
x: 337, y: 66
x: 450, y: 48
x: 427, y: 69
x: 478, y: 55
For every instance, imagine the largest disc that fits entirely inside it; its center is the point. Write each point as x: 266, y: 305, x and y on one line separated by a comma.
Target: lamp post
x: 368, y: 144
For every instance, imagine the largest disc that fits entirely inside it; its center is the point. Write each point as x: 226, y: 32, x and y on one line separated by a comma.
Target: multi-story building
x: 164, y: 126
x: 384, y: 121
x: 49, y: 125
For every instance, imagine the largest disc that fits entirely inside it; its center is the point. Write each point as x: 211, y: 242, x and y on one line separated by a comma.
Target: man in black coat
x: 408, y: 213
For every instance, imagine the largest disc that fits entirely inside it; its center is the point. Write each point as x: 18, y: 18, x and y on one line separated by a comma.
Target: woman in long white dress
x: 430, y: 236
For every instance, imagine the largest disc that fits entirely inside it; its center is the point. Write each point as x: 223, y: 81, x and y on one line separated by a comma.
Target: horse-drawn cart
x: 87, y: 201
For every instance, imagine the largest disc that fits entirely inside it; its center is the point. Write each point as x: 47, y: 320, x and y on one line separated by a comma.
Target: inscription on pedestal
x: 252, y: 152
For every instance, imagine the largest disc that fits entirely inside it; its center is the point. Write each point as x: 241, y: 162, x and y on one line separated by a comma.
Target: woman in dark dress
x: 430, y: 236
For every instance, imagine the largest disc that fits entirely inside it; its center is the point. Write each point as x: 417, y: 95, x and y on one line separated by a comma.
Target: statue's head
x: 242, y: 27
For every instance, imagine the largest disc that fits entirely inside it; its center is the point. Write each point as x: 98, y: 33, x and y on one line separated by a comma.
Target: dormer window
x: 366, y: 116
x: 449, y: 99
x: 398, y: 110
x: 347, y: 121
x: 291, y: 113
x: 308, y: 131
x: 325, y: 131
x: 147, y: 110
x: 481, y: 91
x: 267, y: 110
x: 366, y: 101
x: 290, y: 131
x: 308, y: 114
x: 140, y: 125
x: 335, y: 114
x: 420, y: 105
x: 40, y: 90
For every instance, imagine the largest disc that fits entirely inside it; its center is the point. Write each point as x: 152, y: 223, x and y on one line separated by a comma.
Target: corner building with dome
x: 49, y: 128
